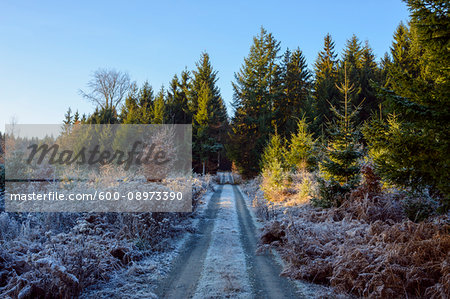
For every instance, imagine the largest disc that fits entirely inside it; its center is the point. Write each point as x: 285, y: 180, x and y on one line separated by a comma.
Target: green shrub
x: 274, y: 153
x: 302, y: 152
x: 274, y: 179
x: 305, y: 188
x: 330, y: 193
x: 274, y: 168
x: 418, y: 208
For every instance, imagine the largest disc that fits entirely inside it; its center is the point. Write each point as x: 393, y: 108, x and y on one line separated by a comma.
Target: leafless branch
x: 107, y: 88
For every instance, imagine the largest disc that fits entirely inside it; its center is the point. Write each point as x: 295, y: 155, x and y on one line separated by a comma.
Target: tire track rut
x: 263, y: 270
x: 185, y: 273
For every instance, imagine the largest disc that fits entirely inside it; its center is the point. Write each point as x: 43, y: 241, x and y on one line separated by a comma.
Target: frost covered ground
x: 217, y: 259
x: 141, y: 278
x: 366, y: 247
x: 221, y: 260
x: 83, y: 254
x: 223, y: 270
x: 232, y: 246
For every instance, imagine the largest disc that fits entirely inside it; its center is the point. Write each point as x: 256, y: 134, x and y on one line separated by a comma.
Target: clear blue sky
x: 49, y: 49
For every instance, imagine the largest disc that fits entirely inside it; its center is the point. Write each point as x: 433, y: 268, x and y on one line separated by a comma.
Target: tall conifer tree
x: 325, y: 91
x: 177, y: 102
x: 341, y: 158
x: 368, y: 77
x: 296, y: 82
x: 256, y: 87
x: 206, y: 103
x: 411, y: 149
x: 204, y: 145
x: 159, y: 108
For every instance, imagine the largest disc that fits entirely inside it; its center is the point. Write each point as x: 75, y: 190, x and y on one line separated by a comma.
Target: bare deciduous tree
x: 107, y: 88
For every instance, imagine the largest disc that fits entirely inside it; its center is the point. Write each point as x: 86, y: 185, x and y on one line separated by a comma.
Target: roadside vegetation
x: 49, y: 255
x: 362, y: 203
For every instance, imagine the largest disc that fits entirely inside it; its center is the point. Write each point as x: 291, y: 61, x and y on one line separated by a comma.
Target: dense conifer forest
x: 392, y: 111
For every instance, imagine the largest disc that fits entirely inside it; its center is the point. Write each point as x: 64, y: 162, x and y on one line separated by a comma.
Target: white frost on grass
x: 251, y: 210
x: 141, y: 278
x: 224, y: 272
x: 307, y: 289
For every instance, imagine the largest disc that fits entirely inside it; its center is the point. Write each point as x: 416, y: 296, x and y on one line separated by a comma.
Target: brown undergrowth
x: 58, y: 255
x: 366, y: 247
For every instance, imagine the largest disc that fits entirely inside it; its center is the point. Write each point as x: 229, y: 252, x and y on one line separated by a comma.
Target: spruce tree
x: 419, y: 96
x: 205, y: 74
x: 352, y: 57
x: 185, y: 91
x: 68, y: 118
x: 274, y: 152
x: 296, y: 82
x: 301, y: 153
x: 138, y: 105
x: 76, y: 117
x: 362, y: 71
x: 158, y: 108
x: 325, y: 91
x: 384, y: 65
x: 177, y: 102
x: 405, y: 63
x: 130, y: 113
x: 204, y: 83
x: 103, y: 116
x: 274, y: 167
x: 145, y: 103
x: 351, y: 66
x: 256, y: 87
x: 368, y: 78
x: 340, y: 165
x: 204, y: 144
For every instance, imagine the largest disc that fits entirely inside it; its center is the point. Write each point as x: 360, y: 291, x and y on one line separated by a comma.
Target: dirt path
x: 220, y: 261
x: 184, y: 275
x: 264, y: 271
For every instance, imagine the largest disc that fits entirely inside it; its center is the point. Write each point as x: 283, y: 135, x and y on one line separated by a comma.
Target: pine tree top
x: 326, y: 61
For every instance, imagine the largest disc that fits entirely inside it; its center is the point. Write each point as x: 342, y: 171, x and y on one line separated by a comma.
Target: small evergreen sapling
x: 340, y: 167
x: 301, y: 154
x: 273, y: 167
